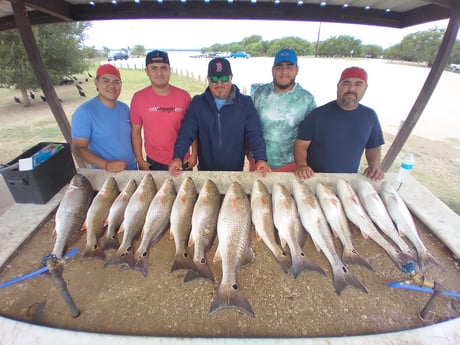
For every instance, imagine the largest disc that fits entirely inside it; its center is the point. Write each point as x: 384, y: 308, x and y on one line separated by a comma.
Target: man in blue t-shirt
x: 101, y: 131
x: 334, y: 136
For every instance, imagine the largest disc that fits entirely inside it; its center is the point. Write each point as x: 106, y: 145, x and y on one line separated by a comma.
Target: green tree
x: 371, y: 50
x: 340, y: 46
x: 138, y: 50
x: 420, y: 46
x: 60, y: 45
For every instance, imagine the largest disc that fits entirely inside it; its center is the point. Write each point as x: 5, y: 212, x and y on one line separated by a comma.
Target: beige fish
x: 71, y: 213
x: 116, y: 215
x: 405, y: 223
x: 315, y: 223
x: 156, y: 223
x: 358, y: 216
x: 338, y: 222
x: 377, y: 211
x: 286, y: 220
x: 204, y: 230
x: 233, y: 233
x: 96, y: 218
x: 133, y: 222
x: 181, y: 224
x: 262, y: 218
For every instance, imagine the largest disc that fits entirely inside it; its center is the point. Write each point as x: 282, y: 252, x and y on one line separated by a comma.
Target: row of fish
x: 282, y: 220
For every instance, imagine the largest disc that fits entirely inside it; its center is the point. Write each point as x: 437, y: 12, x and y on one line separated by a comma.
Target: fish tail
x: 202, y: 271
x: 142, y: 266
x: 93, y: 253
x: 425, y: 259
x: 351, y: 256
x: 285, y: 261
x: 343, y: 278
x: 230, y: 297
x: 124, y: 258
x: 301, y: 263
x: 110, y: 242
x: 183, y: 260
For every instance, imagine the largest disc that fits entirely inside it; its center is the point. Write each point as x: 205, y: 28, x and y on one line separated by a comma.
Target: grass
x: 21, y: 128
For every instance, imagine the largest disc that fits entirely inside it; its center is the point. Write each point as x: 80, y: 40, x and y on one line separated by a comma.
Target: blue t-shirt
x: 338, y: 137
x: 107, y: 129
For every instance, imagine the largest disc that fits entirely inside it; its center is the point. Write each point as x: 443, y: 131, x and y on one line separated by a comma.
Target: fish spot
x: 344, y: 269
x: 235, y: 286
x: 144, y: 254
x: 202, y: 261
x: 302, y: 254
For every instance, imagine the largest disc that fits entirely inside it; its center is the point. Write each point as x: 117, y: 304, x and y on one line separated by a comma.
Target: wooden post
x: 39, y: 68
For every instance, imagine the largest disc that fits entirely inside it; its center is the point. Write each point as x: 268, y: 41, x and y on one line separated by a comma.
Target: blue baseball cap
x: 285, y: 55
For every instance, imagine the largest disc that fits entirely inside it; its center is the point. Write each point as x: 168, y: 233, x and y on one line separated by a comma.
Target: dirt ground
x: 161, y: 304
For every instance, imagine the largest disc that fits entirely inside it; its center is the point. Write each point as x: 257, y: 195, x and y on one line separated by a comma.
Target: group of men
x: 279, y: 128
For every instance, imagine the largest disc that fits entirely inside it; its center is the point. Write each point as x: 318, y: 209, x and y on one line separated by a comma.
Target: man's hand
x: 263, y: 167
x: 374, y: 173
x: 115, y: 166
x: 304, y: 171
x: 143, y: 165
x: 175, y: 167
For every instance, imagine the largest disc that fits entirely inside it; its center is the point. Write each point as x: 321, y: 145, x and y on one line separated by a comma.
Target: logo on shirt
x: 165, y: 109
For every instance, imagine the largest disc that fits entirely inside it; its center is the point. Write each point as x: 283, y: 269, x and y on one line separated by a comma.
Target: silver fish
x: 181, y: 224
x: 376, y: 210
x: 286, y: 220
x: 233, y: 232
x: 133, y: 222
x: 204, y: 230
x: 96, y: 218
x: 338, y: 223
x: 71, y: 213
x: 262, y: 218
x: 315, y: 223
x: 405, y: 223
x: 156, y: 223
x: 358, y: 216
x: 116, y: 215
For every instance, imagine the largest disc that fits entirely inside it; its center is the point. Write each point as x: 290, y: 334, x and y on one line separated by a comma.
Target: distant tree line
x: 416, y: 47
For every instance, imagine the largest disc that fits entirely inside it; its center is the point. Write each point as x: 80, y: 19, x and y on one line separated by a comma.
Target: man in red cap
x: 101, y: 131
x: 333, y: 137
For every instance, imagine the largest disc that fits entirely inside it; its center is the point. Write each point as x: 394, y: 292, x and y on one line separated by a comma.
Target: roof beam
x: 57, y: 9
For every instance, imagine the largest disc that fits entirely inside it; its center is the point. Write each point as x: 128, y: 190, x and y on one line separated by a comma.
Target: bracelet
x: 106, y: 165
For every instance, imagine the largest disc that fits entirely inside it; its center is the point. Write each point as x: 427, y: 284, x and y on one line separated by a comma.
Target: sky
x: 196, y: 34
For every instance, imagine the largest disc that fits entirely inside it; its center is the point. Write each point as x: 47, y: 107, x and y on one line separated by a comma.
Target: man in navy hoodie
x: 226, y: 124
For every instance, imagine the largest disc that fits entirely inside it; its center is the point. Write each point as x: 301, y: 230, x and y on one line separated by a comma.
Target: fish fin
x: 350, y: 256
x: 110, y: 243
x: 248, y: 257
x: 183, y: 260
x: 84, y: 226
x: 191, y: 242
x: 202, y: 272
x: 217, y: 255
x: 343, y: 278
x: 230, y: 297
x: 121, y: 229
x: 301, y: 263
x: 93, y: 253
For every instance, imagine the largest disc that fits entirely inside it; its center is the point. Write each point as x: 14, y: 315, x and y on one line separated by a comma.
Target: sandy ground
x: 161, y: 304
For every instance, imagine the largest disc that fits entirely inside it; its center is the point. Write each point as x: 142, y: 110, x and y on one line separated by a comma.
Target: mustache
x: 351, y: 93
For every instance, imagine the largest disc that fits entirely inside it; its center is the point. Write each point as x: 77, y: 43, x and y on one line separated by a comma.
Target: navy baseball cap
x: 157, y: 56
x: 218, y: 67
x: 285, y: 55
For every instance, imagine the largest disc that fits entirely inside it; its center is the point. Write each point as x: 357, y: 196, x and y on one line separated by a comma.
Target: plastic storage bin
x: 39, y: 185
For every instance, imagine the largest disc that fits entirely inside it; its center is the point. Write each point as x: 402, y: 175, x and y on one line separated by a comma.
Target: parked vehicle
x: 454, y: 67
x: 118, y: 56
x: 240, y: 55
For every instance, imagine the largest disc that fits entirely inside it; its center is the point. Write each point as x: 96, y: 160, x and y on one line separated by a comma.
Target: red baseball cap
x: 354, y: 72
x: 108, y: 69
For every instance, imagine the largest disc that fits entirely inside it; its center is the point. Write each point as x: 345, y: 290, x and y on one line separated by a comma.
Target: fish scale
x: 71, y: 213
x: 133, y: 222
x: 316, y: 225
x: 233, y: 232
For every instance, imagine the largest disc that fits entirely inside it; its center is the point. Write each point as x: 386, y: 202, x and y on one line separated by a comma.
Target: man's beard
x: 349, y: 102
x: 285, y: 86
